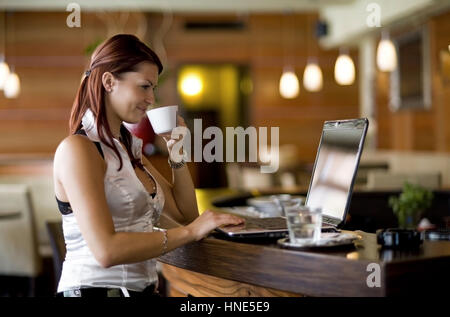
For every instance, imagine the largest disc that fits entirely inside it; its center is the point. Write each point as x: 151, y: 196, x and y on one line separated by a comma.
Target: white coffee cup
x: 163, y: 119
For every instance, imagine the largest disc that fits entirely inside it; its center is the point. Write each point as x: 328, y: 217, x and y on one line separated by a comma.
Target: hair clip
x: 87, y: 73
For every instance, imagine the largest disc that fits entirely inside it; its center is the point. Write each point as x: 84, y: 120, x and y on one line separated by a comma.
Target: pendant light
x: 4, y: 71
x: 289, y: 86
x: 4, y: 68
x: 312, y: 77
x: 386, y: 54
x: 11, y: 87
x: 344, y: 69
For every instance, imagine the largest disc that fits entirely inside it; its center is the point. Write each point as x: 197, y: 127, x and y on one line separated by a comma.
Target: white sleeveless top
x: 132, y: 209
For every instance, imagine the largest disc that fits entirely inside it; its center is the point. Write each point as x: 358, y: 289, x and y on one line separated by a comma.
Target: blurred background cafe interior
x: 291, y: 64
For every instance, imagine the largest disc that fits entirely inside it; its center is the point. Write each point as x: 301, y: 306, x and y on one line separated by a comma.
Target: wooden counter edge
x: 183, y: 282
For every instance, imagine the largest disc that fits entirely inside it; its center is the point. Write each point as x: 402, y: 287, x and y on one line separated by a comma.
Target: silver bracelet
x: 176, y: 165
x: 164, y: 231
x: 165, y: 239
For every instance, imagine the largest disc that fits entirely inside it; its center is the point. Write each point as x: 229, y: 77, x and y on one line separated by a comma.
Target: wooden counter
x: 217, y: 267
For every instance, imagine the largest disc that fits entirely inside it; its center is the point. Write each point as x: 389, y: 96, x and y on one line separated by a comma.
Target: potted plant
x: 409, y: 206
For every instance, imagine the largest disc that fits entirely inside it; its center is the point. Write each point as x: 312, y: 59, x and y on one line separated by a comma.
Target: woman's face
x: 131, y: 94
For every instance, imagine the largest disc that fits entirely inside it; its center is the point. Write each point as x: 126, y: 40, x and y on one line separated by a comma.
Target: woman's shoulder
x: 78, y: 147
x: 74, y: 142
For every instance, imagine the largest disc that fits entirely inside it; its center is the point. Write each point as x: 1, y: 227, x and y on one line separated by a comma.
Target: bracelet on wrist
x: 176, y: 165
x: 165, y: 239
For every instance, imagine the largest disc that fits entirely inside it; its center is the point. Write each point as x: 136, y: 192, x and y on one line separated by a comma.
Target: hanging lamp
x: 4, y: 68
x: 11, y: 86
x: 4, y: 71
x: 312, y: 76
x: 344, y: 69
x: 386, y: 54
x: 289, y: 86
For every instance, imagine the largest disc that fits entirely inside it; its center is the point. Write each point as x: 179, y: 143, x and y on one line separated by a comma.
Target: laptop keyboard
x: 267, y: 223
x: 280, y: 223
x: 327, y: 220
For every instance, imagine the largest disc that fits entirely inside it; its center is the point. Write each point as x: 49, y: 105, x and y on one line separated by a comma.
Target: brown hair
x: 118, y: 54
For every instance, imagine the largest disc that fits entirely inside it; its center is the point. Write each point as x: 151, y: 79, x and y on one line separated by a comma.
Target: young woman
x: 109, y: 194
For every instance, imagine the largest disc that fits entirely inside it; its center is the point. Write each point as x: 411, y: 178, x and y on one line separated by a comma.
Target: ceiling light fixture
x: 344, y: 69
x: 11, y: 88
x: 4, y: 68
x: 289, y: 86
x: 312, y: 77
x: 4, y: 71
x: 386, y: 54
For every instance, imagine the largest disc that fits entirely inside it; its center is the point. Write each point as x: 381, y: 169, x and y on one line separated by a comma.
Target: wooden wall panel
x: 419, y: 130
x: 440, y: 27
x: 50, y: 61
x: 49, y: 58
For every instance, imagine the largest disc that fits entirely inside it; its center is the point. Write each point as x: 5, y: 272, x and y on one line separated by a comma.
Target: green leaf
x: 413, y: 201
x: 91, y: 47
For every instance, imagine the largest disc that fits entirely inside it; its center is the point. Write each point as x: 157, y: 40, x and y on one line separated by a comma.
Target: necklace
x: 144, y: 169
x: 153, y: 193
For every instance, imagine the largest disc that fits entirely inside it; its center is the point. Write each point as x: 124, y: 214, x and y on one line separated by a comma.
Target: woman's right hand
x: 209, y: 220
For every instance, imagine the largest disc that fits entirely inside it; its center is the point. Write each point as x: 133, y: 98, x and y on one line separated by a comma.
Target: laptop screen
x: 336, y: 165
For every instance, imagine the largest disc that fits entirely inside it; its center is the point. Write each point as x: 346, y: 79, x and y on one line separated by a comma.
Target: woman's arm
x: 81, y: 171
x: 184, y: 193
x: 181, y: 202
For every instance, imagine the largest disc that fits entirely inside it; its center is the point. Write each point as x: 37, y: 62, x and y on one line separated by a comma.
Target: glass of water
x: 304, y: 224
x: 285, y: 200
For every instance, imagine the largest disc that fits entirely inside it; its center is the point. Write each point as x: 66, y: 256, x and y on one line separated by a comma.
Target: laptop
x: 331, y: 185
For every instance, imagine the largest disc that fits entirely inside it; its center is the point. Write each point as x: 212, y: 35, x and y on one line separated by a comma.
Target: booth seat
x: 36, y: 174
x: 430, y: 169
x: 18, y: 246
